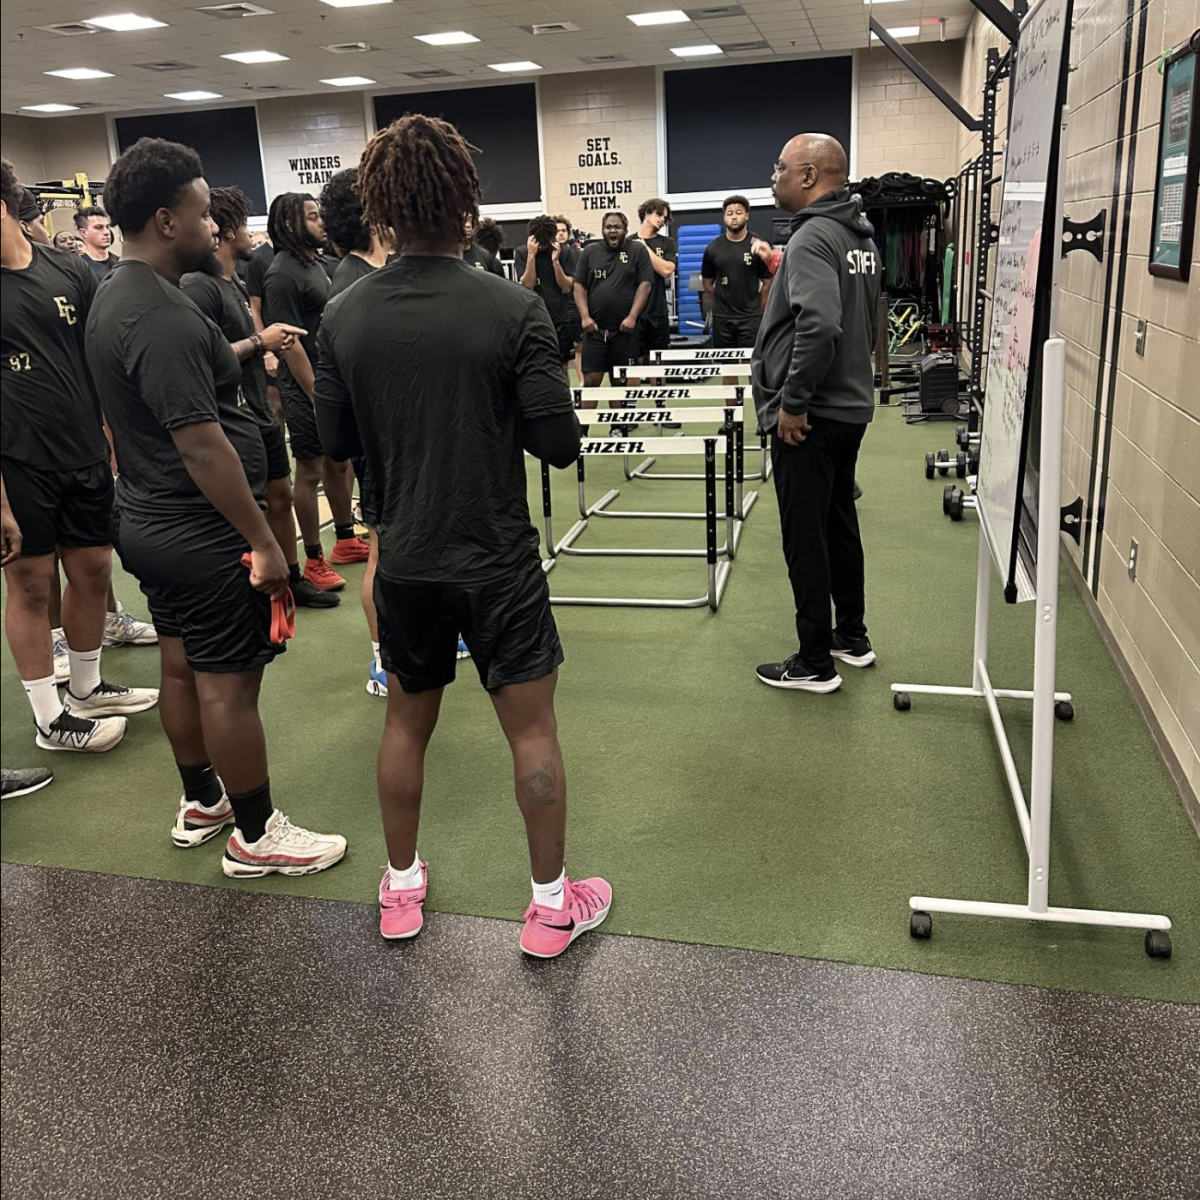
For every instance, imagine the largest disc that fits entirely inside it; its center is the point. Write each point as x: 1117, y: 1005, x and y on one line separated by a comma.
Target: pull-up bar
x: 974, y: 124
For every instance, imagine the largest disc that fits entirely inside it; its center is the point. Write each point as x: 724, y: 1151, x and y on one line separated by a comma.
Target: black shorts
x: 368, y: 496
x: 602, y: 352
x: 301, y: 419
x: 575, y: 324
x: 279, y: 465
x: 507, y: 624
x: 190, y: 571
x: 656, y: 332
x: 566, y: 341
x: 734, y: 333
x: 60, y: 508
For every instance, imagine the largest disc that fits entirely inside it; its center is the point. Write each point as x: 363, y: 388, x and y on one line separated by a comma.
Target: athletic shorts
x: 733, y: 333
x: 301, y: 419
x: 507, y: 624
x: 60, y: 508
x: 566, y: 342
x: 368, y: 497
x: 575, y: 324
x: 279, y: 465
x: 655, y: 332
x: 601, y: 353
x: 190, y: 571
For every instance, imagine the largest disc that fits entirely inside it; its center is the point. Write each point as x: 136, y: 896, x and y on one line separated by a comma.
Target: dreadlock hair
x: 544, y: 229
x: 735, y: 199
x: 152, y: 174
x: 342, y: 212
x: 229, y: 207
x: 654, y: 206
x: 10, y: 190
x: 418, y: 178
x: 285, y: 225
x: 490, y: 235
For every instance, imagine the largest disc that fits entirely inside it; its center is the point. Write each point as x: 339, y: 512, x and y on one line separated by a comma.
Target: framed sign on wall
x: 1174, y: 223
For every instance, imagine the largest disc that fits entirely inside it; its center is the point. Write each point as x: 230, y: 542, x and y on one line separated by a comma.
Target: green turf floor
x: 722, y: 811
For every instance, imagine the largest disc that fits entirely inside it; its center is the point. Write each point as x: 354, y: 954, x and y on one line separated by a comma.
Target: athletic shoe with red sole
x: 284, y: 849
x: 350, y: 550
x: 321, y: 575
x: 402, y: 910
x: 549, y: 931
x: 195, y: 824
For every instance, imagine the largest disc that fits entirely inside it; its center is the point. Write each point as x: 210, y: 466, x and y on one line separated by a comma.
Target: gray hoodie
x: 813, y: 352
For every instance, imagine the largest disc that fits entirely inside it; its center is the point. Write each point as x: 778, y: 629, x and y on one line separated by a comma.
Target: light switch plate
x: 1133, y: 558
x: 1139, y: 344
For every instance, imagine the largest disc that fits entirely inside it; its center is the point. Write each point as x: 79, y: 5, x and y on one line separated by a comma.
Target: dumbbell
x: 954, y: 504
x: 947, y: 496
x: 929, y: 466
x: 943, y: 462
x: 973, y: 462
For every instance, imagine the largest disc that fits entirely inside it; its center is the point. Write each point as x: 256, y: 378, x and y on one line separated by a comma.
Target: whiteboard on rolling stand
x: 1022, y: 295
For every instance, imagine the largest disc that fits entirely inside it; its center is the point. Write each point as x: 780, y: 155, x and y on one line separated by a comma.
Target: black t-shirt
x: 738, y: 273
x: 256, y: 268
x: 477, y: 256
x: 440, y: 416
x: 558, y: 303
x: 101, y: 267
x: 225, y: 303
x: 329, y: 263
x: 160, y: 364
x: 664, y: 247
x: 612, y: 278
x: 350, y: 270
x: 295, y: 293
x: 49, y: 418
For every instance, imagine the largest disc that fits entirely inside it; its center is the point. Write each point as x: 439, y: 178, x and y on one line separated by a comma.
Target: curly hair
x: 735, y: 199
x: 84, y: 215
x: 418, y: 178
x: 544, y: 229
x: 614, y: 213
x: 229, y: 208
x: 656, y: 205
x: 152, y: 174
x: 285, y: 225
x: 490, y: 235
x: 342, y: 212
x: 10, y: 190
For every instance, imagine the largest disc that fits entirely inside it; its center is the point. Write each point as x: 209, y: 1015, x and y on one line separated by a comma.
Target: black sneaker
x: 22, y: 781
x: 855, y: 654
x: 796, y: 674
x: 306, y: 595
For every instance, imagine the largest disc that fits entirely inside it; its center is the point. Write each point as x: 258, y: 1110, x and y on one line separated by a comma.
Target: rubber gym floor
x: 725, y: 813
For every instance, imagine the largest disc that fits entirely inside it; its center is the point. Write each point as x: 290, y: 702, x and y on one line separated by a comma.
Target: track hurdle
x: 682, y: 371
x: 702, y: 354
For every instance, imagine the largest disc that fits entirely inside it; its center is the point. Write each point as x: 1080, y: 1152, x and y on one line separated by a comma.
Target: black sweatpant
x: 814, y: 483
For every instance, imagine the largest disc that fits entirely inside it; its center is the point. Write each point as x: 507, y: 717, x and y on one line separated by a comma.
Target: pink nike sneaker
x: 549, y: 931
x: 401, y: 910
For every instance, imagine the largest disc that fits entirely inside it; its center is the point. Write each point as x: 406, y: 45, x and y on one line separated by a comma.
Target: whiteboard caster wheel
x: 901, y: 701
x: 1064, y: 710
x: 920, y: 926
x: 1158, y: 943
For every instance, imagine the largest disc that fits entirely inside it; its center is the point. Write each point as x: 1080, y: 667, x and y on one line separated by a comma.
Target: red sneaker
x: 321, y: 575
x: 549, y: 931
x: 350, y: 550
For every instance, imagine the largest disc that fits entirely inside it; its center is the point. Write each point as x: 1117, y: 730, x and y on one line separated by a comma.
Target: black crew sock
x: 314, y: 551
x: 293, y: 574
x: 252, y: 811
x: 341, y: 532
x: 200, y: 784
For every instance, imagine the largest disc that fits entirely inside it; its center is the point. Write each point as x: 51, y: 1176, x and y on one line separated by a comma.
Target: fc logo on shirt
x: 746, y: 259
x: 65, y: 310
x: 624, y: 257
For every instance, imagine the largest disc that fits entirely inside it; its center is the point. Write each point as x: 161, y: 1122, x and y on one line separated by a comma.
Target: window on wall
x: 226, y: 140
x: 501, y: 121
x: 726, y: 125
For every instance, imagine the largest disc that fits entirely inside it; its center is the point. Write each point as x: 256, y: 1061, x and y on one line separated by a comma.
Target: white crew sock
x: 405, y: 880
x: 550, y: 895
x: 375, y: 654
x: 85, y: 672
x: 44, y: 700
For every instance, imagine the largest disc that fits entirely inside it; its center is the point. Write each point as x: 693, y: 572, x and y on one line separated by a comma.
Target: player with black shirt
x: 612, y: 287
x: 295, y: 292
x: 548, y: 268
x: 95, y: 230
x: 443, y: 421
x: 56, y: 489
x: 655, y: 325
x: 193, y: 472
x: 218, y: 292
x: 477, y: 255
x: 736, y: 270
x: 564, y: 240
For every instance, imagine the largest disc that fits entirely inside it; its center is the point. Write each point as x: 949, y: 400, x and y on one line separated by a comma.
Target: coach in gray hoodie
x: 814, y: 391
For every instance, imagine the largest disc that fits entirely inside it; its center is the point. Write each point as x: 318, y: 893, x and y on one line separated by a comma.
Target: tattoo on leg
x: 540, y: 787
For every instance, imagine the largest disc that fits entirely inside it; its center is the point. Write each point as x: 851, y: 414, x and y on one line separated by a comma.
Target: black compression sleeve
x: 553, y: 439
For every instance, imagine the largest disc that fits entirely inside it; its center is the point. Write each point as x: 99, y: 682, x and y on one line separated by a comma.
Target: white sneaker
x: 68, y: 732
x: 62, y: 660
x: 284, y: 849
x: 195, y: 824
x: 123, y: 629
x: 111, y: 700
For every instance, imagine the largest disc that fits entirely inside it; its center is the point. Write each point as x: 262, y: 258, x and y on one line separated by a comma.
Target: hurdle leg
x: 585, y: 510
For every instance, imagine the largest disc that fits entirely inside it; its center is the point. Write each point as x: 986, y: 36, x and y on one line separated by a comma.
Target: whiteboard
x: 1029, y: 214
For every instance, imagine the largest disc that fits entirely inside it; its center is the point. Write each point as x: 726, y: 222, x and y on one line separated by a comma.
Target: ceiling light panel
x: 193, y: 96
x: 349, y: 81
x: 513, y: 67
x: 457, y: 37
x: 50, y: 108
x: 669, y: 16
x: 125, y: 23
x: 696, y: 51
x: 252, y: 57
x: 80, y: 73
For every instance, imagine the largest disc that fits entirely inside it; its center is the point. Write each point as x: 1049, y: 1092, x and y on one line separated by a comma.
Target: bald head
x: 810, y: 166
